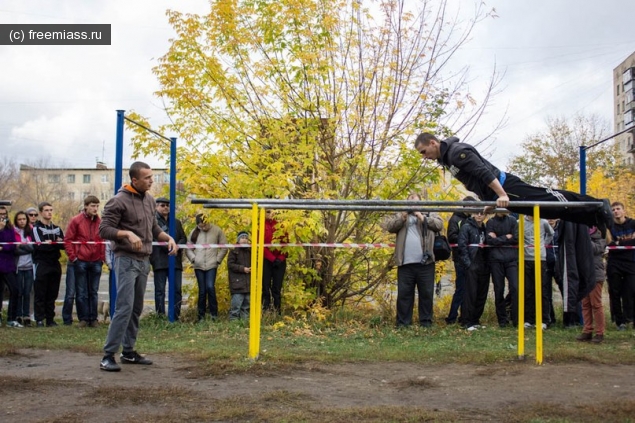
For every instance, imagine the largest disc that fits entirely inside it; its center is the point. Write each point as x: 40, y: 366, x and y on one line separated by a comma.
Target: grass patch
x: 220, y: 347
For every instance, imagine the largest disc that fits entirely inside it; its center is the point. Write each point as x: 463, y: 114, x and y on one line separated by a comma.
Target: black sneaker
x: 134, y: 357
x: 109, y: 364
x: 39, y: 324
x: 51, y: 323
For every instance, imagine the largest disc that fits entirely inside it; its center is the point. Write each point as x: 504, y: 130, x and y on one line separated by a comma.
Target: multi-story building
x: 73, y: 184
x: 624, y: 107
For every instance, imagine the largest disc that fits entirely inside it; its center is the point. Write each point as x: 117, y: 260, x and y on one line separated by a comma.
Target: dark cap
x: 162, y: 200
x: 242, y: 234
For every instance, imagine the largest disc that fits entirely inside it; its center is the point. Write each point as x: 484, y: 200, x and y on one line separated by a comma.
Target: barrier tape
x: 190, y: 246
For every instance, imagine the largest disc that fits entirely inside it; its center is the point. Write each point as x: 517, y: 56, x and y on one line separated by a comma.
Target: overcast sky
x: 57, y: 103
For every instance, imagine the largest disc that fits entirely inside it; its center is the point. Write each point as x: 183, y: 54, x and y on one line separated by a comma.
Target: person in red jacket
x: 87, y: 251
x: 274, y: 266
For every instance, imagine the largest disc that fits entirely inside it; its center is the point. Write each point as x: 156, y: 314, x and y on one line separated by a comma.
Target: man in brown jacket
x: 129, y: 221
x: 415, y: 260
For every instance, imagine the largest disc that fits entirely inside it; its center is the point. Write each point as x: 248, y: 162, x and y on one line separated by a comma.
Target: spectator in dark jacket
x: 8, y: 268
x: 239, y: 267
x: 473, y: 259
x: 48, y: 271
x: 620, y: 268
x: 592, y: 308
x: 159, y: 259
x: 502, y: 236
x: 457, y: 219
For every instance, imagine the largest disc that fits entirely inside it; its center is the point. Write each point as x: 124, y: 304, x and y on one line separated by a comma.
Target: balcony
x: 627, y: 76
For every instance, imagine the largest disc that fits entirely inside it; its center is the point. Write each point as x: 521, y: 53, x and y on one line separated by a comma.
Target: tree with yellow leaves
x: 315, y: 99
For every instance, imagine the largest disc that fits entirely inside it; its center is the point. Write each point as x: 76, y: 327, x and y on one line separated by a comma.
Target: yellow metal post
x: 538, y: 290
x: 521, y: 287
x: 256, y: 288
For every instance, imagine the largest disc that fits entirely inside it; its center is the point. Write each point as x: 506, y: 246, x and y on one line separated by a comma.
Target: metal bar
x: 538, y: 284
x: 582, y: 170
x: 389, y: 204
x: 256, y: 287
x: 112, y: 288
x: 172, y: 231
x: 148, y: 129
x: 521, y: 287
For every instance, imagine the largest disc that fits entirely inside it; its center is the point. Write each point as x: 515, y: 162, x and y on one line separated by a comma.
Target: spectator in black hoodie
x: 457, y: 219
x: 473, y: 259
x: 502, y: 236
x: 48, y: 271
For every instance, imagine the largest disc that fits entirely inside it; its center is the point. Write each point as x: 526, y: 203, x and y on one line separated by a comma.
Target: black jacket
x: 47, y: 253
x: 471, y: 234
x: 619, y: 232
x: 457, y: 219
x: 237, y: 260
x: 501, y: 226
x: 575, y: 263
x: 467, y: 165
x: 159, y: 256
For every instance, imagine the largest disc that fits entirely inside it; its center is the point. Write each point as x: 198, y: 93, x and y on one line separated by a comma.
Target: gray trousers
x: 132, y: 276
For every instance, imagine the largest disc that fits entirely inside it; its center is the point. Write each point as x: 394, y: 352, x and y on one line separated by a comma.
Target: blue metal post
x: 583, y: 170
x: 112, y: 289
x: 172, y: 230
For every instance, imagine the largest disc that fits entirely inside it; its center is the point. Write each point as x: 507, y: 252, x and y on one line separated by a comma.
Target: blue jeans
x: 206, y: 280
x: 87, y: 274
x: 25, y: 286
x: 132, y: 277
x: 239, y: 308
x: 69, y: 297
x: 457, y: 298
x: 160, y: 279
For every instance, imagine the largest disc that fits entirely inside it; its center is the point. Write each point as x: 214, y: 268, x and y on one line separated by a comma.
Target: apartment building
x: 73, y: 184
x: 624, y: 107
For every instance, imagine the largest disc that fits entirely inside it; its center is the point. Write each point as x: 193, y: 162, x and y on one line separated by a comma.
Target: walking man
x: 129, y: 221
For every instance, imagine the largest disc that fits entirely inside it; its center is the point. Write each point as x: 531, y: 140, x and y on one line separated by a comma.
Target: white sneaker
x: 14, y: 324
x: 544, y: 326
x: 528, y: 325
x: 472, y: 328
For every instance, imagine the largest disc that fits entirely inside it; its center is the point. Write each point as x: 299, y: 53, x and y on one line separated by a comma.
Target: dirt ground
x: 52, y: 386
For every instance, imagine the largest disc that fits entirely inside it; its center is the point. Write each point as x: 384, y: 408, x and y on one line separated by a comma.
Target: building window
x: 71, y: 195
x: 104, y: 178
x: 54, y: 179
x: 70, y: 179
x: 618, y: 89
x: 87, y: 179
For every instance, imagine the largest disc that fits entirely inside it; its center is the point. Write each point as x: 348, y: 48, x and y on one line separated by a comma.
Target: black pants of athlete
x: 501, y: 271
x: 46, y: 288
x: 621, y: 284
x: 476, y: 287
x: 517, y: 190
x: 410, y: 276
